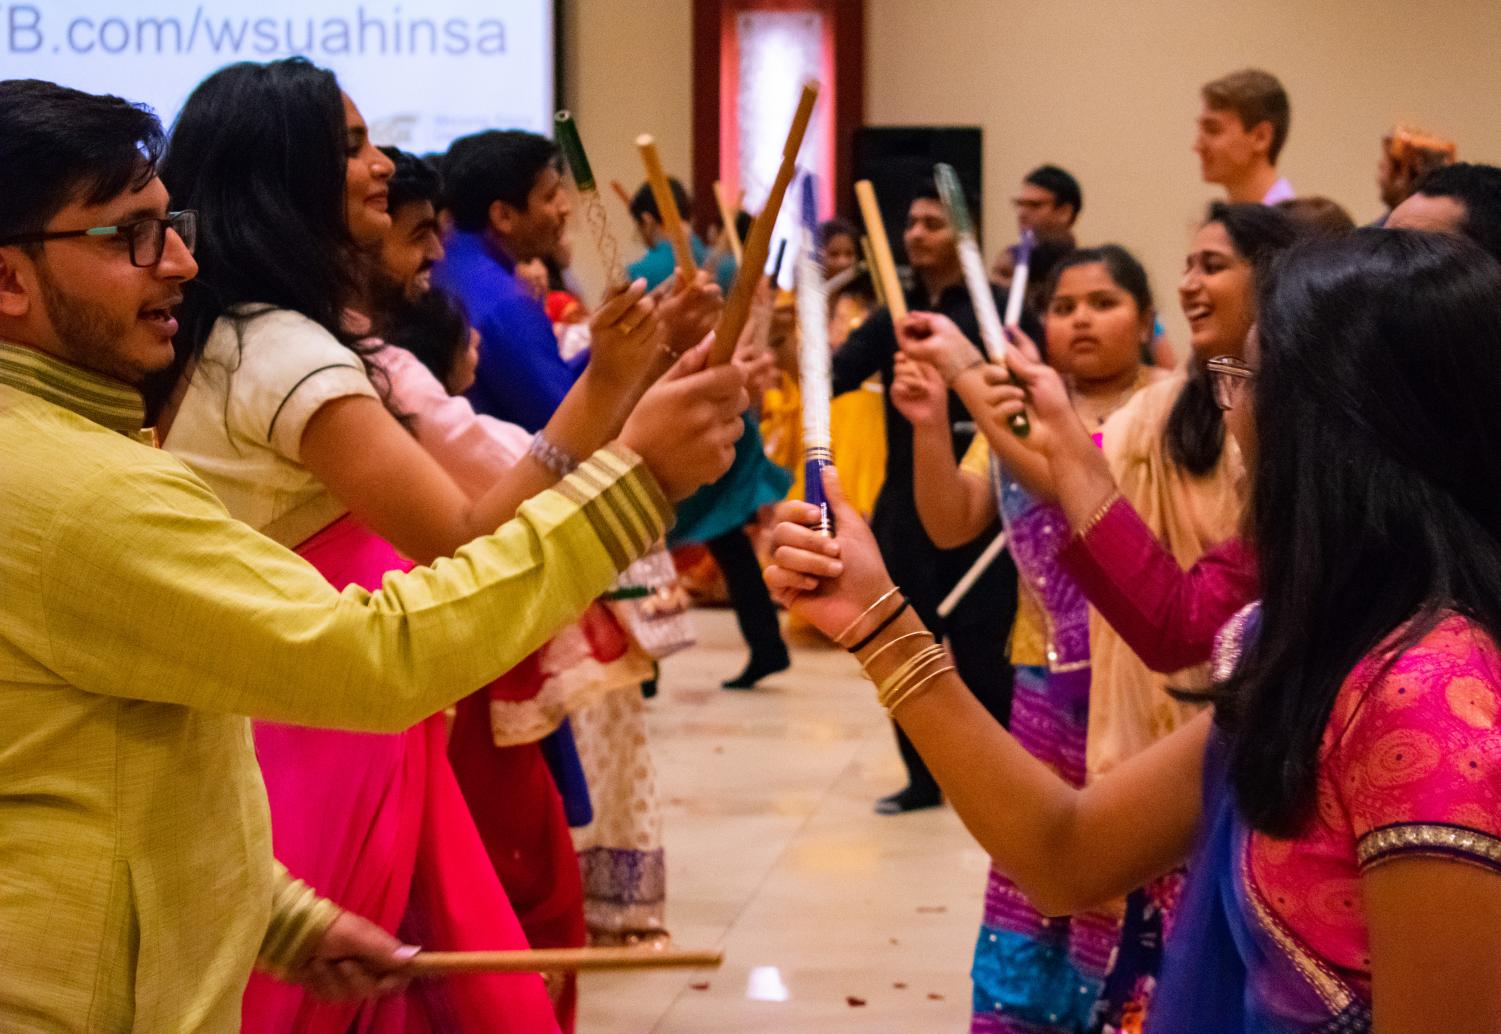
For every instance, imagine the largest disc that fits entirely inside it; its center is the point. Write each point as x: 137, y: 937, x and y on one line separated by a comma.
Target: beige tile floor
x: 774, y: 855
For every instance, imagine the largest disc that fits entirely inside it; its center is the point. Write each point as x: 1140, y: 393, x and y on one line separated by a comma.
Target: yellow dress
x: 857, y: 423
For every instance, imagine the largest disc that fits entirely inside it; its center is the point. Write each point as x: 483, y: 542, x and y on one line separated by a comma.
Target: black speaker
x: 899, y: 160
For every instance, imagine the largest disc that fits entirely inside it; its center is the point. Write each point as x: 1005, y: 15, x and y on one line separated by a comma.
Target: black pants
x: 980, y: 660
x: 754, y: 611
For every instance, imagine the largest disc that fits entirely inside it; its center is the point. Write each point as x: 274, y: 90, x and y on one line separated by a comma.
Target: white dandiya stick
x: 880, y: 252
x: 727, y: 217
x: 813, y: 362
x: 737, y: 305
x: 980, y: 566
x: 667, y: 205
x: 444, y: 963
x: 976, y: 279
x: 1019, y: 278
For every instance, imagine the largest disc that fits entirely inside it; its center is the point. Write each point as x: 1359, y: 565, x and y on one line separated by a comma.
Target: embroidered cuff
x: 1431, y: 839
x: 623, y: 502
x: 299, y: 919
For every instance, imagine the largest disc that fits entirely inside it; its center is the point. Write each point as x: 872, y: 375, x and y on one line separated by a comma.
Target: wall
x: 627, y: 70
x: 1109, y: 90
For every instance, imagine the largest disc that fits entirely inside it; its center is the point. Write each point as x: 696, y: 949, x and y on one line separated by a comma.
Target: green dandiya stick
x: 572, y: 146
x: 992, y: 334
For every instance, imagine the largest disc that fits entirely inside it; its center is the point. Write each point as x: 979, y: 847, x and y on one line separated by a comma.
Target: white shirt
x: 241, y: 422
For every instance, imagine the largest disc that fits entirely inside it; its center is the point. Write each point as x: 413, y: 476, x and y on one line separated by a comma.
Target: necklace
x: 1094, y: 412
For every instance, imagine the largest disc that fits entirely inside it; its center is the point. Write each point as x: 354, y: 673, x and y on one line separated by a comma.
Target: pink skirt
x: 377, y: 824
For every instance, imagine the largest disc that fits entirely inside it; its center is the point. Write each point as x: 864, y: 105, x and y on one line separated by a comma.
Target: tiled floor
x: 831, y: 918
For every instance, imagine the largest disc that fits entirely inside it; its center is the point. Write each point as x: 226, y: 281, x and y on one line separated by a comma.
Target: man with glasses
x: 140, y: 625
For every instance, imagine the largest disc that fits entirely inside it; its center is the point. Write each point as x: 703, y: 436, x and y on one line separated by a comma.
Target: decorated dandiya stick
x: 572, y: 147
x: 992, y: 333
x: 880, y: 252
x: 758, y: 242
x: 870, y: 263
x: 839, y: 281
x: 813, y: 362
x: 727, y: 217
x: 667, y: 205
x: 547, y: 960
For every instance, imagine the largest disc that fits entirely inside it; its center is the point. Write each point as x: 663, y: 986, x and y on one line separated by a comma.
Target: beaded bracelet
x: 550, y: 456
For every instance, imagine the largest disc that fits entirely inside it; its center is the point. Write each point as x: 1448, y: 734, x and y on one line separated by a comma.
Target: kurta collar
x: 106, y: 402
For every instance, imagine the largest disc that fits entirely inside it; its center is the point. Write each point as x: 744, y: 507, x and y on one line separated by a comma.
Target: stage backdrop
x: 423, y: 72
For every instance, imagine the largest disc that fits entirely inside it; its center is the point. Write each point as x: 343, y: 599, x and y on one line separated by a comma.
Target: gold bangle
x: 1099, y: 515
x: 891, y: 710
x: 908, y: 667
x: 910, y: 635
x: 839, y: 639
x: 895, y: 687
x: 885, y: 686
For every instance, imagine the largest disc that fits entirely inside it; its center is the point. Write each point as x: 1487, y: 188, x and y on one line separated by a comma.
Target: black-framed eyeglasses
x: 147, y: 238
x: 1227, y: 377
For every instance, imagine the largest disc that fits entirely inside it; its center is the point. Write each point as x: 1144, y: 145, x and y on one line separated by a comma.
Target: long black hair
x: 1196, y: 427
x: 259, y: 151
x: 1377, y: 498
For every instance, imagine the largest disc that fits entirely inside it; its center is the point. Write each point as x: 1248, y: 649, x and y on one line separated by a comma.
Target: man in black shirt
x: 978, y: 630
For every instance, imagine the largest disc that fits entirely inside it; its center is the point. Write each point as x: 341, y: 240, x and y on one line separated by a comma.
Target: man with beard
x: 142, y: 625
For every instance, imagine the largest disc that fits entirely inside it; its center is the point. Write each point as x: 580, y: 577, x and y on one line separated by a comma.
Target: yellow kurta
x: 139, y: 625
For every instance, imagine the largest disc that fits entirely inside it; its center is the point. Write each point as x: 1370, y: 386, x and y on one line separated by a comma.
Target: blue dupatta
x: 1231, y: 965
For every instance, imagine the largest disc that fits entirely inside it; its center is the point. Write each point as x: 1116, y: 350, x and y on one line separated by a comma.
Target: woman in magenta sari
x: 286, y: 419
x: 1340, y: 809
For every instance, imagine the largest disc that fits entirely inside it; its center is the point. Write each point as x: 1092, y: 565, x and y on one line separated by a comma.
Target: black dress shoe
x: 758, y: 669
x: 908, y: 799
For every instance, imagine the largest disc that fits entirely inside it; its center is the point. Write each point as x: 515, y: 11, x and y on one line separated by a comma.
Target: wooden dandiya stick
x: 444, y: 963
x: 992, y: 335
x: 624, y: 195
x: 727, y: 217
x: 572, y: 147
x: 813, y: 363
x: 667, y: 205
x: 758, y: 242
x: 880, y: 252
x: 870, y: 263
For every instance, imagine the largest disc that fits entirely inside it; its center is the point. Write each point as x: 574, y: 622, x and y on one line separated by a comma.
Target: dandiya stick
x: 980, y: 566
x: 727, y: 217
x: 444, y: 963
x: 814, y: 363
x: 992, y: 336
x: 572, y: 147
x: 758, y: 242
x: 623, y: 194
x: 880, y: 252
x: 870, y: 264
x: 1019, y: 278
x: 667, y: 205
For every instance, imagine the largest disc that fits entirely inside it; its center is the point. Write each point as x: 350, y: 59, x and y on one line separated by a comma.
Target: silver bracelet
x: 550, y: 456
